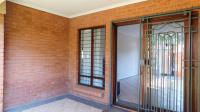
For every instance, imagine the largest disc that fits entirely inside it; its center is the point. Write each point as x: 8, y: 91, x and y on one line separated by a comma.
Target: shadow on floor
x: 115, y: 109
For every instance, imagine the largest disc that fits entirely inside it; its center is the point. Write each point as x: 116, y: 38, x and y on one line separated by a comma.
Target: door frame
x: 115, y: 25
x: 123, y: 22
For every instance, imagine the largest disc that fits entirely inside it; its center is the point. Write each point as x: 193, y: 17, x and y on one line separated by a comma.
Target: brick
x: 35, y: 55
x: 105, y: 18
x: 41, y: 58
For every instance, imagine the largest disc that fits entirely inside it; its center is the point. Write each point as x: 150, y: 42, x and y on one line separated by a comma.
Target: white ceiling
x: 73, y: 8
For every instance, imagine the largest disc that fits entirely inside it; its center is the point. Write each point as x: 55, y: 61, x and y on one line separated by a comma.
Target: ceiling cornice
x: 107, y: 8
x: 79, y: 14
x: 39, y: 8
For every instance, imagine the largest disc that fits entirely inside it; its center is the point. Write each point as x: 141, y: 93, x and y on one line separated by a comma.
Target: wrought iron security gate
x: 168, y: 71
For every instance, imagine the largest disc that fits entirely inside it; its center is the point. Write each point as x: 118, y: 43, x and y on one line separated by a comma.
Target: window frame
x: 92, y: 77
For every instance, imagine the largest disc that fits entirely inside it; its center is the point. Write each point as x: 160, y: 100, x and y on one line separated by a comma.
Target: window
x: 92, y: 57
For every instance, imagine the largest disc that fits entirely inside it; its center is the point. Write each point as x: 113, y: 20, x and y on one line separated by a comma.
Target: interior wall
x: 105, y: 18
x: 128, y: 51
x: 35, y: 55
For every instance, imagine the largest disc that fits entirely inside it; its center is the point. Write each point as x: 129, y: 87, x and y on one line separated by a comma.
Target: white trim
x: 79, y: 14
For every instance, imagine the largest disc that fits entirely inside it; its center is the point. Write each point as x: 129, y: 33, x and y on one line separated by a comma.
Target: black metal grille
x: 92, y: 57
x: 166, y: 84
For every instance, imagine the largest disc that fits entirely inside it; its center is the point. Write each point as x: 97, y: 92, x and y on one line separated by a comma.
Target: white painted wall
x: 128, y: 49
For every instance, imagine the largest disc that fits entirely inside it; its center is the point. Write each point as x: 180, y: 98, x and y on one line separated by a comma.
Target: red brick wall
x: 1, y: 59
x: 35, y: 55
x: 104, y: 18
x: 40, y: 56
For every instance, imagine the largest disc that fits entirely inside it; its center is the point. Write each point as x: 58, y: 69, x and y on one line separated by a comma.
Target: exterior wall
x: 105, y: 18
x: 1, y: 60
x: 35, y: 55
x: 41, y: 56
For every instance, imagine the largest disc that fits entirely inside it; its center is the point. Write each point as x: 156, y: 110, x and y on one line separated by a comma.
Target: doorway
x: 160, y: 76
x: 163, y: 80
x: 128, y: 59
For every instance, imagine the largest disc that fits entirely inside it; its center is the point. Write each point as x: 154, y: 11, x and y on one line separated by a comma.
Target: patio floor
x: 64, y: 105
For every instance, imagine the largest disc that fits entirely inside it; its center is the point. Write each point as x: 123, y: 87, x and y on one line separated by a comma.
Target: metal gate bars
x: 169, y: 70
